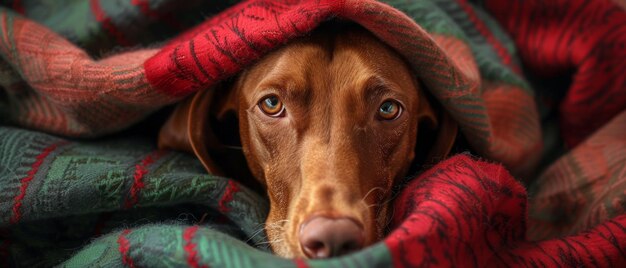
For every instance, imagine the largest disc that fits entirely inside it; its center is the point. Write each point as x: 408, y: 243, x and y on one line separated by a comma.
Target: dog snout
x: 323, y: 237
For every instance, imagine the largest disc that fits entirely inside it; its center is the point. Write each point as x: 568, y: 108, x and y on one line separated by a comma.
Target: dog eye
x: 272, y: 106
x: 389, y: 110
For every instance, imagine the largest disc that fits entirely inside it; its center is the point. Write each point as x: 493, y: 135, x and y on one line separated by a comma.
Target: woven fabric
x: 473, y: 211
x: 78, y: 96
x: 89, y: 68
x: 584, y: 187
x: 583, y: 39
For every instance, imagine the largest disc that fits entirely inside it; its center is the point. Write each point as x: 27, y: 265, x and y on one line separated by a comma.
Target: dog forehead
x: 330, y: 63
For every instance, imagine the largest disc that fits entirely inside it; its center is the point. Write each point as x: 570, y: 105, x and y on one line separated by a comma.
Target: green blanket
x: 77, y: 69
x: 72, y: 190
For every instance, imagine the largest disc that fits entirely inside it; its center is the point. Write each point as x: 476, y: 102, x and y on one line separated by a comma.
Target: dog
x: 326, y: 126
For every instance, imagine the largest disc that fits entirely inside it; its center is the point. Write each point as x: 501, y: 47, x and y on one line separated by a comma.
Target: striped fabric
x: 91, y: 68
x: 125, y: 204
x: 583, y: 39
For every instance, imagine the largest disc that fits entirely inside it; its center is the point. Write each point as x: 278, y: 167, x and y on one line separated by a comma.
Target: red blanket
x: 460, y: 212
x: 471, y: 213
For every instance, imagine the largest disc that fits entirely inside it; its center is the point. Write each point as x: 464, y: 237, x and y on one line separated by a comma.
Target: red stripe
x: 141, y: 170
x: 25, y: 182
x: 300, y: 263
x: 125, y: 248
x: 190, y: 247
x: 106, y: 22
x: 485, y: 32
x: 229, y: 193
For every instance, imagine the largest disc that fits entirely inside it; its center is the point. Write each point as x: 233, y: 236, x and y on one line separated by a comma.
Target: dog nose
x: 323, y: 237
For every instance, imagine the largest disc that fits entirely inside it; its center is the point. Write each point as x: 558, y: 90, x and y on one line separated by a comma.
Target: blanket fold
x: 118, y: 201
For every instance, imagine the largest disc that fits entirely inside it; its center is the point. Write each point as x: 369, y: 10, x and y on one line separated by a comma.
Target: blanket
x: 537, y: 90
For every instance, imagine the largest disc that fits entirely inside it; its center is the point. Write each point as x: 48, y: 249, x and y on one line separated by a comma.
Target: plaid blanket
x: 90, y: 69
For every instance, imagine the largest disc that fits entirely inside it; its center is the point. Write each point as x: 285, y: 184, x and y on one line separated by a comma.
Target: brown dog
x: 328, y: 124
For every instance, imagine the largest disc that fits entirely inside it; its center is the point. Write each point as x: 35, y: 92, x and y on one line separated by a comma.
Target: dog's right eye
x: 389, y: 110
x: 272, y: 106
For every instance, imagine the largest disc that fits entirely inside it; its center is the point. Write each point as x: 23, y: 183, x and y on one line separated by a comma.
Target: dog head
x: 328, y: 124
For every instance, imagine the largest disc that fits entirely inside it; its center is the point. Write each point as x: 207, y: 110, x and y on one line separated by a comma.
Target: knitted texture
x: 78, y: 96
x: 584, y: 187
x: 583, y: 38
x: 86, y: 189
x: 473, y: 211
x: 120, y: 202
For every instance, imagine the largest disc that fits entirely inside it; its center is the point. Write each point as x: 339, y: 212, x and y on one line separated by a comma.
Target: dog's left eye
x: 272, y: 106
x: 389, y: 110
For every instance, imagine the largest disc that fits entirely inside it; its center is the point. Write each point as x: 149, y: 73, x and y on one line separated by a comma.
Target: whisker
x: 270, y: 242
x: 373, y: 205
x: 371, y: 191
x: 389, y: 218
x: 254, y: 234
x: 277, y: 225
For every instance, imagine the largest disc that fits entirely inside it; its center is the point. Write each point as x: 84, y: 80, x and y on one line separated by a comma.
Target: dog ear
x: 436, y: 127
x: 188, y: 129
x: 206, y: 126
